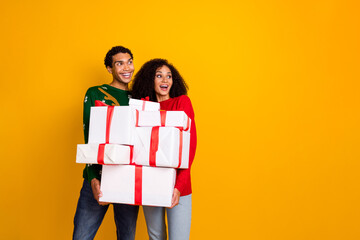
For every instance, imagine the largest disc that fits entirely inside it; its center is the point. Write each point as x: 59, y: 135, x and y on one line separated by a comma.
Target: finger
x: 172, y: 205
x: 174, y: 202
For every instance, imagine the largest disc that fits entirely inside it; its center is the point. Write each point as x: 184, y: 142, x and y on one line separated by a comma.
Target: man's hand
x: 175, y: 198
x: 95, y: 186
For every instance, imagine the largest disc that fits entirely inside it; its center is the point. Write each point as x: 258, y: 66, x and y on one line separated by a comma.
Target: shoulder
x: 184, y: 103
x: 92, y: 89
x: 95, y: 90
x: 177, y: 102
x: 183, y: 100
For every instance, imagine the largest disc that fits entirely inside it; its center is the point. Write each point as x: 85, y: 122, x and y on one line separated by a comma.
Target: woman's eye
x: 158, y: 76
x: 168, y: 76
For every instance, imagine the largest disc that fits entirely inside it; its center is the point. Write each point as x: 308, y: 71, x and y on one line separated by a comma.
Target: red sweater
x: 183, y: 103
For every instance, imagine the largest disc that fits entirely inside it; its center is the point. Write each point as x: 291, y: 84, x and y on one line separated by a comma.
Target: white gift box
x: 138, y: 185
x: 111, y: 154
x: 144, y: 105
x: 120, y: 125
x: 161, y: 147
x: 163, y: 119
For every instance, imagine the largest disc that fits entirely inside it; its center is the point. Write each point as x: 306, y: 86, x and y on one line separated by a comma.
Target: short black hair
x: 113, y: 51
x: 143, y: 83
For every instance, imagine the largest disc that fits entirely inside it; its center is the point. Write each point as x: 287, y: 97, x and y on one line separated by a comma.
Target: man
x: 90, y: 212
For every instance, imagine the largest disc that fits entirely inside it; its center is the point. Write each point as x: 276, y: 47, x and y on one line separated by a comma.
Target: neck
x: 162, y: 98
x: 117, y: 84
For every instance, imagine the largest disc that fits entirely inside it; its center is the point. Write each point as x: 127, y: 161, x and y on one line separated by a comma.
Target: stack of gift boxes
x: 140, y: 148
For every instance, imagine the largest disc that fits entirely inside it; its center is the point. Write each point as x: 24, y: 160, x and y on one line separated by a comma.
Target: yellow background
x: 274, y: 85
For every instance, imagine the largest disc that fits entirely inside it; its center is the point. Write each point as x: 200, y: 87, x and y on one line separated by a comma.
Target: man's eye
x: 118, y: 63
x: 130, y: 62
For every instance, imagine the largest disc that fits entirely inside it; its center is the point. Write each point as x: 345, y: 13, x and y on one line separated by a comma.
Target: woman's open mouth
x: 164, y: 87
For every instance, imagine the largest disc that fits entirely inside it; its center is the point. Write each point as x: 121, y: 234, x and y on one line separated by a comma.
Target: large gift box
x: 163, y: 119
x: 111, y: 124
x: 138, y: 185
x: 161, y: 147
x: 103, y: 153
x: 144, y: 105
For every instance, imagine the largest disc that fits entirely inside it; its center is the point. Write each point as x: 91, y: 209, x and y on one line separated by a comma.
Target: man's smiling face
x: 122, y: 69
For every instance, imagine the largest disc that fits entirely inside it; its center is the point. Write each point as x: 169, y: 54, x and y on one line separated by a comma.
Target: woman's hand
x: 95, y: 186
x: 175, y: 198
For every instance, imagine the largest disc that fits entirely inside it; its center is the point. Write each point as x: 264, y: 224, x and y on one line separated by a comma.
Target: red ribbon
x: 162, y: 118
x: 99, y: 103
x: 131, y: 155
x: 180, y: 145
x: 137, y: 118
x: 144, y: 101
x: 138, y: 185
x: 154, y: 145
x: 101, y: 152
x: 145, y: 98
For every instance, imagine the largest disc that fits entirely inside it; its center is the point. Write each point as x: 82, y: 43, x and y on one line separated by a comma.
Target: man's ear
x: 109, y: 69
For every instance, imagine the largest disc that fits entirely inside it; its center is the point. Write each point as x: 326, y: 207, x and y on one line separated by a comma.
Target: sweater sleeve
x: 86, y: 114
x: 183, y: 175
x: 92, y: 170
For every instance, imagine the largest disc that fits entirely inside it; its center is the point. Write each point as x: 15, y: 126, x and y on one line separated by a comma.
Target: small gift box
x: 103, y: 153
x: 163, y: 119
x: 144, y: 104
x: 111, y: 124
x: 161, y: 147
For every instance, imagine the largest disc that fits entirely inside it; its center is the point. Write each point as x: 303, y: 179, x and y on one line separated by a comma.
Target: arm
x: 184, y: 174
x: 92, y: 170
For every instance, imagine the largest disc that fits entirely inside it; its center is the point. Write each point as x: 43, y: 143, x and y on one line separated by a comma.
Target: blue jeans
x: 89, y: 215
x: 179, y: 220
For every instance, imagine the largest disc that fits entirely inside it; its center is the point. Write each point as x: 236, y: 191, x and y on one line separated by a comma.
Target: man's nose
x: 126, y: 67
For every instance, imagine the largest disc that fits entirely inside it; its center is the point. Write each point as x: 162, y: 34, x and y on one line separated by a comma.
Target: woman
x: 159, y: 80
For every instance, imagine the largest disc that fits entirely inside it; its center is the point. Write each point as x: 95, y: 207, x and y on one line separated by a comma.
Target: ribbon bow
x: 146, y: 99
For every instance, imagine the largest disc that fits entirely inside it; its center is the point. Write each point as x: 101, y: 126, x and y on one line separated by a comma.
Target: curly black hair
x: 113, y: 51
x: 143, y: 83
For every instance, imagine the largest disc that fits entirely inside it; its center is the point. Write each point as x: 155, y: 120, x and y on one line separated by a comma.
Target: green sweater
x: 111, y: 96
